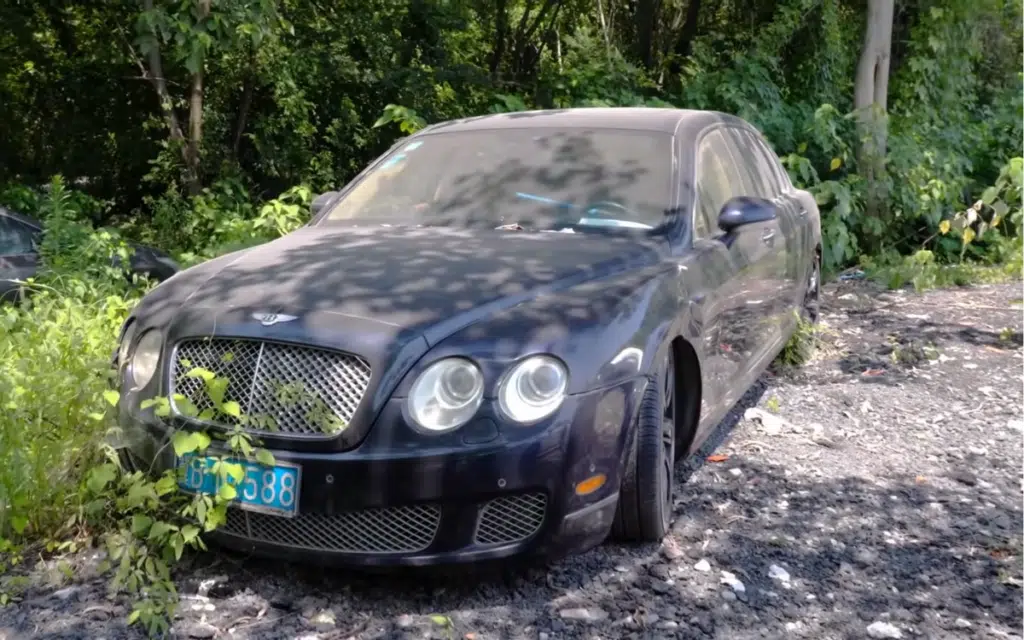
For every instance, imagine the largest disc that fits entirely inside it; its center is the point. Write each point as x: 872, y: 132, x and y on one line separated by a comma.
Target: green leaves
x: 409, y: 122
x: 185, y: 442
x: 112, y: 397
x: 265, y: 458
x: 100, y: 477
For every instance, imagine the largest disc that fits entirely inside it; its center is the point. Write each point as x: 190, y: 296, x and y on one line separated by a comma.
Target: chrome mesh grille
x: 280, y: 387
x: 511, y: 518
x: 406, y: 529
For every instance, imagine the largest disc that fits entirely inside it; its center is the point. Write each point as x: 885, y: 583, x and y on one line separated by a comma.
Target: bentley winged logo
x: 267, y: 319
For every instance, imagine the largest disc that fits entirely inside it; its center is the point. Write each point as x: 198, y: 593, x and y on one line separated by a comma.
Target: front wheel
x: 645, y: 496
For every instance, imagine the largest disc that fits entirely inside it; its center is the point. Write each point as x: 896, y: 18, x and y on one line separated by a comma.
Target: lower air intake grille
x: 393, y: 530
x: 511, y: 518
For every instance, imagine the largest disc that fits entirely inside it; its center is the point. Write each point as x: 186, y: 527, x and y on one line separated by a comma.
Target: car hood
x: 427, y: 281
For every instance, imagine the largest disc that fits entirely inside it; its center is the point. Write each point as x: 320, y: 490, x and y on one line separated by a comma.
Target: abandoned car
x: 496, y: 341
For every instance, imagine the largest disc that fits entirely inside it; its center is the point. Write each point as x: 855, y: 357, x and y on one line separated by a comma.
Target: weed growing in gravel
x: 802, y: 344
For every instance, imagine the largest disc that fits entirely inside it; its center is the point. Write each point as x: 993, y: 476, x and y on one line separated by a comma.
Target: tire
x: 810, y: 308
x: 644, y: 511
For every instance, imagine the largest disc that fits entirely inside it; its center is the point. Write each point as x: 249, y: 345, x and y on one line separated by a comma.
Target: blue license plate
x: 272, y: 490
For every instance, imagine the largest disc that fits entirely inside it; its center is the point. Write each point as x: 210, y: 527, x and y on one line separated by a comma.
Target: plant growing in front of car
x: 150, y: 521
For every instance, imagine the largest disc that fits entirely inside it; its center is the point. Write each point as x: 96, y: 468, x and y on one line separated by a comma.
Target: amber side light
x: 590, y: 485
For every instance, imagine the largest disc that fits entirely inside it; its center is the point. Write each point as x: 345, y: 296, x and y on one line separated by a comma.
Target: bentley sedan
x: 495, y: 341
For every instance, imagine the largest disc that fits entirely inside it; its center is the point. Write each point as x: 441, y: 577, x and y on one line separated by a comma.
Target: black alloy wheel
x: 645, y: 496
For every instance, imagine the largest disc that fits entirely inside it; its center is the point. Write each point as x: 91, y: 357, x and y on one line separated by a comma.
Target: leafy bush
x: 54, y: 366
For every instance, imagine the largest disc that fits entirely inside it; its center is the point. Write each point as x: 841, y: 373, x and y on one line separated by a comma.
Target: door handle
x: 768, y: 237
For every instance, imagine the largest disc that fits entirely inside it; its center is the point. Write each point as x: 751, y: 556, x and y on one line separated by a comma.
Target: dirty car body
x: 507, y: 329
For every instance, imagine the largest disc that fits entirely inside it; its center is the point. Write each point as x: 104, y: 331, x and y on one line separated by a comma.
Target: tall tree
x: 190, y: 32
x: 871, y: 91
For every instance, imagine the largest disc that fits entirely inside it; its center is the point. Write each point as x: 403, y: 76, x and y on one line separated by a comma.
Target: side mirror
x: 743, y: 210
x: 320, y: 202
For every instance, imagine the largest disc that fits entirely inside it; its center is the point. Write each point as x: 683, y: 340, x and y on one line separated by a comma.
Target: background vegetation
x: 200, y: 126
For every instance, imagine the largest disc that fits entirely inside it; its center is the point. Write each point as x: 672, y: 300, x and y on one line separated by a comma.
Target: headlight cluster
x: 448, y: 394
x: 141, y: 357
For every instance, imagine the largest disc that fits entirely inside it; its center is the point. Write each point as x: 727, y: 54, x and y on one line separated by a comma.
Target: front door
x: 738, y: 311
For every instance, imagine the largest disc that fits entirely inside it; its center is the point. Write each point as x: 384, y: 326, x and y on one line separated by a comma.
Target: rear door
x: 18, y: 257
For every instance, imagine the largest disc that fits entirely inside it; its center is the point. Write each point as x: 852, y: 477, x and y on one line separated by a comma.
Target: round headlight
x: 145, y: 358
x: 446, y: 395
x: 533, y: 389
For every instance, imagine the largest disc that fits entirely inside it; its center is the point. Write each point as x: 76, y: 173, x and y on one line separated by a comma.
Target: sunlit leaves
x: 185, y: 442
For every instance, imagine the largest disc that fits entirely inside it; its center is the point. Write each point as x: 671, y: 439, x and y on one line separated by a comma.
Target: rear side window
x: 756, y: 164
x: 719, y: 179
x: 780, y: 179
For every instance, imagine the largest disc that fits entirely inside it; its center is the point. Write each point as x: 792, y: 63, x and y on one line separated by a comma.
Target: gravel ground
x: 874, y: 493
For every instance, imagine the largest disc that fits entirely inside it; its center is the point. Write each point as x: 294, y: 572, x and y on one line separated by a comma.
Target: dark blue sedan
x: 506, y: 331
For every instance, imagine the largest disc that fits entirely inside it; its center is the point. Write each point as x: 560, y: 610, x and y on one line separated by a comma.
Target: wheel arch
x: 689, y: 393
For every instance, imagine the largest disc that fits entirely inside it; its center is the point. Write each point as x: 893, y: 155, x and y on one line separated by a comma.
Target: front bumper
x: 500, y: 492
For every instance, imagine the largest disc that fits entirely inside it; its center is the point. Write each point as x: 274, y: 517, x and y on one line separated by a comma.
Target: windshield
x: 554, y: 179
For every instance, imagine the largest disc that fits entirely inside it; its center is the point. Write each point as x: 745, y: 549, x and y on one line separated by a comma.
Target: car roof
x: 665, y: 120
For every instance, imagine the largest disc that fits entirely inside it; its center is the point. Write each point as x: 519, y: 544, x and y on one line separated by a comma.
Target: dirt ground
x: 875, y: 492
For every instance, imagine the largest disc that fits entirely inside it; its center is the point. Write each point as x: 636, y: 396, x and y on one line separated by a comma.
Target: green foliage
x: 922, y: 271
x: 223, y: 218
x: 55, y: 354
x: 147, y: 522
x: 409, y: 122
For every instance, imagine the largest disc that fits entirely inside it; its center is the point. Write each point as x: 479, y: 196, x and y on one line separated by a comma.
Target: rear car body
x: 359, y: 310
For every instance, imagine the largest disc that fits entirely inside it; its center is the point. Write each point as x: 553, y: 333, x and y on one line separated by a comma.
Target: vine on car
x: 150, y: 521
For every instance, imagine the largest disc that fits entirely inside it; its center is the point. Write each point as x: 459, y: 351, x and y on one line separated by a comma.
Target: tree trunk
x: 683, y: 46
x: 500, y: 35
x: 870, y: 97
x: 604, y: 30
x: 195, y: 118
x: 243, y: 110
x: 155, y: 74
x: 645, y: 20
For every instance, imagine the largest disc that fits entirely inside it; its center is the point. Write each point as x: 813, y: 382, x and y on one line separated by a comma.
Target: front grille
x: 407, y: 529
x: 511, y: 518
x: 279, y: 387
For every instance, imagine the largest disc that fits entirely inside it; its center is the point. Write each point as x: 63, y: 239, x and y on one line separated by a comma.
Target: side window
x: 718, y: 180
x: 15, y: 238
x: 780, y: 178
x: 757, y: 164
